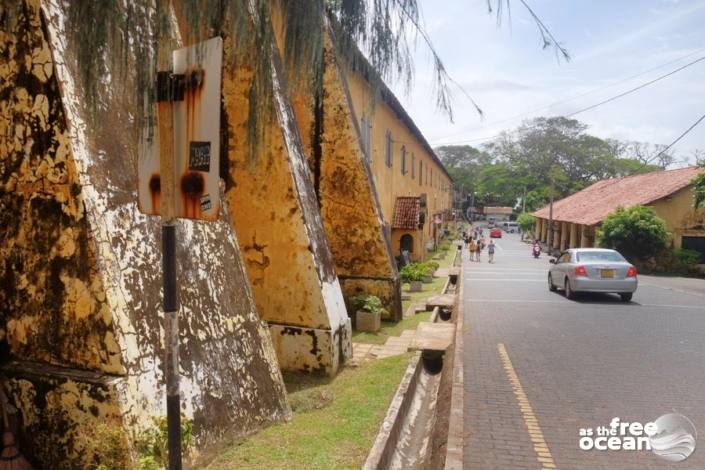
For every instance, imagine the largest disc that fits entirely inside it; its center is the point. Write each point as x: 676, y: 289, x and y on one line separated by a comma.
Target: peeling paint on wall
x: 275, y: 213
x: 346, y: 191
x: 80, y: 267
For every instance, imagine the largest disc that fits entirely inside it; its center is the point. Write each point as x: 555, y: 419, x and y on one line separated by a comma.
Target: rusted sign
x: 196, y: 83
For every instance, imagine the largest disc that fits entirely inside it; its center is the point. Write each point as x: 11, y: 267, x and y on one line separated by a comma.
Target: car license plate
x: 607, y: 273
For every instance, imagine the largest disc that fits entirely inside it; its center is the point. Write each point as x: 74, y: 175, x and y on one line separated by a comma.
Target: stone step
x: 433, y: 336
x: 441, y: 300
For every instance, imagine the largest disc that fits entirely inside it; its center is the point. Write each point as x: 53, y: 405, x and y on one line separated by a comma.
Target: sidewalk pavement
x: 685, y: 285
x: 394, y: 346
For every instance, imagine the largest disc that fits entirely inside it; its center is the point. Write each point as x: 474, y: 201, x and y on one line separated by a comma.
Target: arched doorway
x: 406, y: 243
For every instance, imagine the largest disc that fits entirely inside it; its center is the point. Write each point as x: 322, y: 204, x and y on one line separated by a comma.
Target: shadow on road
x: 597, y: 298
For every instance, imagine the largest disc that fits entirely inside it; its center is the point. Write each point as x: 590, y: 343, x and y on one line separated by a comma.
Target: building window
x: 366, y: 135
x: 413, y: 164
x: 420, y: 172
x: 403, y: 160
x: 695, y: 244
x: 388, y: 149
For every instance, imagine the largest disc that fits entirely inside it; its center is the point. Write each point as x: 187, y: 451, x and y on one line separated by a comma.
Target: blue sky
x: 508, y: 74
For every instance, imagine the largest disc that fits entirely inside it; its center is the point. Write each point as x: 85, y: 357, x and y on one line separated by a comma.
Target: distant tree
x: 464, y: 164
x: 462, y: 156
x: 498, y: 185
x: 526, y: 223
x: 698, y: 156
x: 544, y: 147
x: 699, y: 191
x: 636, y: 232
x: 544, y: 157
x: 537, y: 198
x: 630, y: 166
x: 648, y: 154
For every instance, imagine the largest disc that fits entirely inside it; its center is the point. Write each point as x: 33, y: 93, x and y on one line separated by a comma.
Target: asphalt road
x: 539, y: 367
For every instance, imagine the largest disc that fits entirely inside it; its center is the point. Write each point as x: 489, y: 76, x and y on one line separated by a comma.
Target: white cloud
x: 508, y: 74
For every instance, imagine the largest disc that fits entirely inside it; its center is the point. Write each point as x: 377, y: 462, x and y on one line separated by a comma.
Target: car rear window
x: 588, y: 256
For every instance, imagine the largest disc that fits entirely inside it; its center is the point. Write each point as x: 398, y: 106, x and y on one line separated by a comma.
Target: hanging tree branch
x: 546, y: 35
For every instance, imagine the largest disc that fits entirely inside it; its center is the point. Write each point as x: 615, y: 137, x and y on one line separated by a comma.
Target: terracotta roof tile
x: 406, y: 213
x: 591, y: 205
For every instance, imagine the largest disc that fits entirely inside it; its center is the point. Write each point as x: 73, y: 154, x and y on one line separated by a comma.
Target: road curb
x: 382, y: 451
x: 454, y: 446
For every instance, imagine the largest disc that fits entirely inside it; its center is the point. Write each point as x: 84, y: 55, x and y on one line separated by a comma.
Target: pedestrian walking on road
x: 471, y: 249
x: 478, y: 250
x: 490, y: 251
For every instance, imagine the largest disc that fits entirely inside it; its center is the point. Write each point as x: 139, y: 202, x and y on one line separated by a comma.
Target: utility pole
x: 523, y: 201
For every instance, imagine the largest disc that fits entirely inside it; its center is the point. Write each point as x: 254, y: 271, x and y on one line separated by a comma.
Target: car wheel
x: 626, y: 297
x: 551, y: 285
x: 569, y: 294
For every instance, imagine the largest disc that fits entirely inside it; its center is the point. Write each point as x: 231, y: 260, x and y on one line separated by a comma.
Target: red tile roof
x: 406, y: 213
x: 591, y: 205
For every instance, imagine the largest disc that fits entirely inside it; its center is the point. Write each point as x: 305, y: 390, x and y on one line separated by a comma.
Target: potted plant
x: 432, y: 267
x: 429, y: 268
x: 413, y: 275
x: 368, y: 312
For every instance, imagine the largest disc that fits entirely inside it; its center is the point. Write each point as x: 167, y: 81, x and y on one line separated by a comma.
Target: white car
x: 510, y: 227
x: 593, y: 270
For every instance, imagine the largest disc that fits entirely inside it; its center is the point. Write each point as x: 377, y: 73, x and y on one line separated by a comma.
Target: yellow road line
x: 543, y: 454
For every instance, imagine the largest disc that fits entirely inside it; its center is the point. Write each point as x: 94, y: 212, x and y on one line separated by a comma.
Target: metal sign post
x: 186, y: 149
x: 166, y: 93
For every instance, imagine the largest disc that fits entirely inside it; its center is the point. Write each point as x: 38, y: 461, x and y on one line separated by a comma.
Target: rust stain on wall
x: 80, y: 275
x: 275, y: 213
x: 347, y: 196
x: 52, y: 302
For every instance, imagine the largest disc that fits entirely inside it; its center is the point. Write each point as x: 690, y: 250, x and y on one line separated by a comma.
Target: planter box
x: 427, y: 279
x: 415, y: 286
x: 367, y: 321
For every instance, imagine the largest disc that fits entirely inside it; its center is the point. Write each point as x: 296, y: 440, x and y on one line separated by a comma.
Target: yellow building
x: 414, y: 189
x: 498, y: 213
x: 577, y: 217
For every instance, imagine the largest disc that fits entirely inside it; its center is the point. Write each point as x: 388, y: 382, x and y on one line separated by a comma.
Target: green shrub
x: 430, y: 267
x: 151, y: 443
x: 369, y: 303
x: 108, y: 444
x: 636, y: 232
x: 525, y: 222
x: 699, y: 190
x: 688, y: 257
x: 412, y: 272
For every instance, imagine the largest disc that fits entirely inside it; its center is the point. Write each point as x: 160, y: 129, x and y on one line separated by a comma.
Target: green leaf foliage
x: 413, y: 272
x: 688, y: 257
x: 699, y: 191
x: 525, y: 222
x: 544, y: 158
x: 636, y: 232
x: 369, y: 303
x: 152, y: 443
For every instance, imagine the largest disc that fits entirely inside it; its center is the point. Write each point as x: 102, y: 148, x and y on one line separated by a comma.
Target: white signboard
x: 196, y: 131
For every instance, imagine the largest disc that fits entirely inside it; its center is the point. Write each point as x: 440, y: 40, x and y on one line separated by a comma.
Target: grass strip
x: 334, y: 425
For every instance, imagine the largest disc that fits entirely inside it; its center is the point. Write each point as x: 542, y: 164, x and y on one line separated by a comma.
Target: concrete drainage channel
x: 414, y: 433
